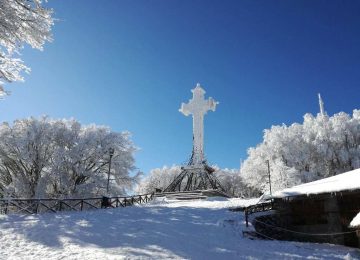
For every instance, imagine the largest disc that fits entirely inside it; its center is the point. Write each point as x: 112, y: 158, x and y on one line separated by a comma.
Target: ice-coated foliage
x: 322, y: 146
x: 21, y: 22
x: 233, y: 183
x: 160, y: 178
x: 61, y: 158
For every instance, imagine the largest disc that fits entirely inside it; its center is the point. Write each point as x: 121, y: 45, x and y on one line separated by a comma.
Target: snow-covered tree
x: 158, y: 178
x: 61, y: 158
x: 233, y: 183
x: 322, y: 146
x: 21, y: 22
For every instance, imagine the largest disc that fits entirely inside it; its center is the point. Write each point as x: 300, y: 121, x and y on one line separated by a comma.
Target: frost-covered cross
x: 198, y: 107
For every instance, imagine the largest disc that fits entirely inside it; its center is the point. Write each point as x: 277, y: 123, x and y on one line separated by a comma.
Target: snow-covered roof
x: 345, y: 181
x: 356, y: 221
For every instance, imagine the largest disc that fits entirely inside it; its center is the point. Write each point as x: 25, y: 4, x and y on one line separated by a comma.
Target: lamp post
x: 111, y: 153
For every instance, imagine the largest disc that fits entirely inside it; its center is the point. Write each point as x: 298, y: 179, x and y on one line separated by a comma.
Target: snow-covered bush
x: 60, y: 158
x: 322, y: 146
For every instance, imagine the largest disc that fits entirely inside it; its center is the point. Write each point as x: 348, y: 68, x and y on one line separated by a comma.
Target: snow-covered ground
x: 356, y: 221
x: 159, y: 230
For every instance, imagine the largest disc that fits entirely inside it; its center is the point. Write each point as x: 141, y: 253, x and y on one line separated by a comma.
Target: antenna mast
x: 321, y: 104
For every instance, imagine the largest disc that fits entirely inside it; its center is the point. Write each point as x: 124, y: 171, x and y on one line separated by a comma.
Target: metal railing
x: 261, y: 207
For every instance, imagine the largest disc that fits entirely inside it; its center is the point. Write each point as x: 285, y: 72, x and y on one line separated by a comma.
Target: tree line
x: 61, y: 158
x: 320, y: 147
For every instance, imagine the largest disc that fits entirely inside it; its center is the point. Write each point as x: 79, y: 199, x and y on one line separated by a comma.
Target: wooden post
x: 246, y: 218
x: 37, y: 207
x: 6, y: 207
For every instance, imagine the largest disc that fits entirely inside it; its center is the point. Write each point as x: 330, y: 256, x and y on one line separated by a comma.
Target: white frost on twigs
x: 21, y: 22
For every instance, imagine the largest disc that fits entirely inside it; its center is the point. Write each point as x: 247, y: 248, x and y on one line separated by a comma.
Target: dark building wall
x: 316, y: 214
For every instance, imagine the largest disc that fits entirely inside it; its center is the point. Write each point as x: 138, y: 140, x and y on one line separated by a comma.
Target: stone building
x: 319, y: 211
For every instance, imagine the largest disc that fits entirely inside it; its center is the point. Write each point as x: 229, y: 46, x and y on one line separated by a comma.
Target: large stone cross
x: 198, y: 107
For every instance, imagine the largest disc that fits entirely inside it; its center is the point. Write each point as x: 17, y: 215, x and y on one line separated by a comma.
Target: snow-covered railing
x: 261, y: 207
x: 34, y: 206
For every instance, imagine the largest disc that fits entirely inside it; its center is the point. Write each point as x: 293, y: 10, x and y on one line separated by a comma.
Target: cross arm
x: 185, y: 109
x: 212, y: 104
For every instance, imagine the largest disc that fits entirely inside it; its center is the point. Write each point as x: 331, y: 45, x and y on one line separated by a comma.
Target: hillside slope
x: 159, y: 230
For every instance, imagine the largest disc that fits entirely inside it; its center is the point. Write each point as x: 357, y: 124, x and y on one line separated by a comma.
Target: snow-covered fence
x: 265, y: 206
x: 34, y: 206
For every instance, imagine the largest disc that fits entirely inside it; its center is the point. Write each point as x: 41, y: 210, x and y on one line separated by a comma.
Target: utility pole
x: 111, y: 153
x: 268, y: 165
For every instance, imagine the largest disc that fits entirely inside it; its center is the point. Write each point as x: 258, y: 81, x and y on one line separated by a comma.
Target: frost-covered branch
x: 22, y: 22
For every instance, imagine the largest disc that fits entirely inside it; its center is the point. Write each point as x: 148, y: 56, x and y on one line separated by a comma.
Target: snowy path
x: 177, y: 230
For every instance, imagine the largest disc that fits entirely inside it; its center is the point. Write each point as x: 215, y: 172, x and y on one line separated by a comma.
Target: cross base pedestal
x: 195, y: 177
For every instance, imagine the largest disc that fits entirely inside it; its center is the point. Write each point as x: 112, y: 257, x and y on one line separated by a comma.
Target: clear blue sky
x: 129, y: 64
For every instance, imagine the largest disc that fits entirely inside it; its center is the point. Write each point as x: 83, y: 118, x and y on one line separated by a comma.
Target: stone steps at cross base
x: 191, y: 195
x: 187, y: 197
x: 182, y: 195
x: 215, y: 193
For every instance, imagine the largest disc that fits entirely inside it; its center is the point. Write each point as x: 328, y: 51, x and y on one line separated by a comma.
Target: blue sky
x: 129, y: 65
